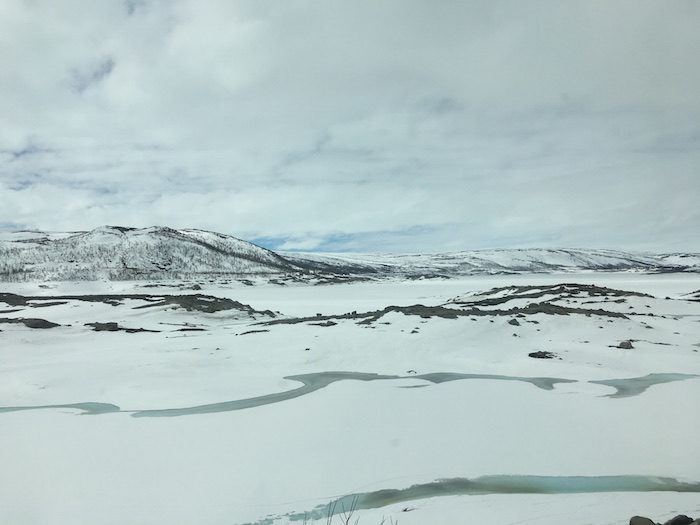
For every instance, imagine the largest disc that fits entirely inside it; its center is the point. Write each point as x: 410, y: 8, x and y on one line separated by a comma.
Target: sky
x: 371, y: 125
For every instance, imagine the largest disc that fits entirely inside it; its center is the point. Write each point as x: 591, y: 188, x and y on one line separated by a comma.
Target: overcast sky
x: 364, y: 125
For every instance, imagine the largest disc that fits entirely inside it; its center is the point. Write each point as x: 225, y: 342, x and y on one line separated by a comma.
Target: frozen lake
x: 412, y: 415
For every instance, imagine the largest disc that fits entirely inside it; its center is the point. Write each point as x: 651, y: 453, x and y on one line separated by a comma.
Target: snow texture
x: 219, y: 402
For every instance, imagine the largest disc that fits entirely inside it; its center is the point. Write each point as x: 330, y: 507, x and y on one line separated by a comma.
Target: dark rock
x: 114, y: 327
x: 39, y: 323
x: 640, y: 520
x: 30, y: 322
x: 104, y: 327
x: 625, y: 345
x: 514, y: 322
x: 542, y: 355
x: 681, y: 519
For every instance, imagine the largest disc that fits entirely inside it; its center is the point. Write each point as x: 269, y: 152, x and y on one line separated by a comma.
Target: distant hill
x: 119, y: 253
x: 503, y: 261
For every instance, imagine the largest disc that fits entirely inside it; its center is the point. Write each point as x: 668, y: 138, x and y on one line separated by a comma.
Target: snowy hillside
x: 117, y: 253
x: 497, y: 262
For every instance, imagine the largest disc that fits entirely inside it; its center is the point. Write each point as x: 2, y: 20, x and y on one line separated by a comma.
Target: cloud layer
x: 390, y: 125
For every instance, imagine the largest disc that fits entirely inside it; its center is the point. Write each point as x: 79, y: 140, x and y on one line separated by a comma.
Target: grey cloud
x: 463, y: 125
x: 133, y: 6
x: 82, y: 79
x: 28, y: 150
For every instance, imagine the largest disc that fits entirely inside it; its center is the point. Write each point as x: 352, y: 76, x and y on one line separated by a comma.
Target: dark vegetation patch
x: 13, y: 299
x: 200, y: 303
x: 253, y: 332
x: 427, y: 312
x: 30, y: 322
x: 563, y: 291
x: 693, y: 296
x: 472, y: 308
x: 114, y: 327
x: 189, y: 302
x: 680, y: 519
x: 47, y: 303
x: 339, y: 279
x: 426, y: 275
x: 541, y: 354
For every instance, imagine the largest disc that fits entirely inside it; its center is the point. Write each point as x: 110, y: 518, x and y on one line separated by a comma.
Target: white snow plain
x: 285, y: 457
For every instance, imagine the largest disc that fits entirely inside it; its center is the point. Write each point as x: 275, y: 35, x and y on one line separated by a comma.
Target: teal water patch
x: 88, y: 408
x: 545, y: 383
x: 633, y: 386
x: 491, y: 485
x: 316, y: 381
x: 310, y: 383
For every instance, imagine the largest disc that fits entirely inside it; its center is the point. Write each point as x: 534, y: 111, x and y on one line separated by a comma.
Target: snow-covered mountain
x: 118, y: 253
x: 500, y: 261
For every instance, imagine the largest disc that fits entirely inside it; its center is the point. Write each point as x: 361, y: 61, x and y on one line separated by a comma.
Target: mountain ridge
x: 159, y: 252
x: 121, y: 253
x: 505, y: 260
